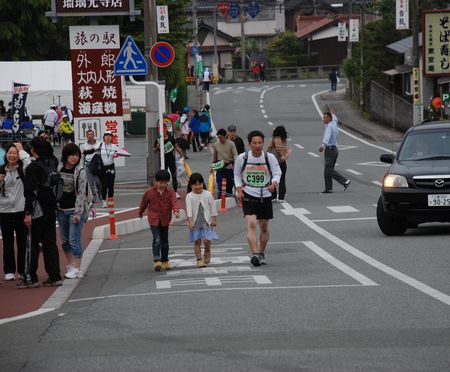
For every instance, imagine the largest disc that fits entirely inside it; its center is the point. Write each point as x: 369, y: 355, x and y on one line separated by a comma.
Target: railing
x: 285, y: 73
x: 390, y: 109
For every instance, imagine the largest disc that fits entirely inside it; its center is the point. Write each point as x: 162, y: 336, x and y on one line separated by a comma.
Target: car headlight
x: 394, y: 180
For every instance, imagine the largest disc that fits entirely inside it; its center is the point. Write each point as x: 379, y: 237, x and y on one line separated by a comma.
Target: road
x: 336, y: 295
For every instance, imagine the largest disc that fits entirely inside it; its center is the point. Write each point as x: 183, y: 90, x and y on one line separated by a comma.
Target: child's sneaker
x: 201, y: 263
x: 207, y: 256
x: 157, y: 265
x: 166, y: 265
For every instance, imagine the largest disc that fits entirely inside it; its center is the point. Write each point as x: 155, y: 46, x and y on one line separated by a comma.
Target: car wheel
x: 388, y: 225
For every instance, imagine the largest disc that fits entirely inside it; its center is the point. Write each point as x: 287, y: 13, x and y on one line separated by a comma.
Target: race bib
x: 218, y: 165
x: 255, y: 176
x: 168, y: 147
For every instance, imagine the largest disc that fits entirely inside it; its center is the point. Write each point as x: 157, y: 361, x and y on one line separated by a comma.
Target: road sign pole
x: 160, y: 113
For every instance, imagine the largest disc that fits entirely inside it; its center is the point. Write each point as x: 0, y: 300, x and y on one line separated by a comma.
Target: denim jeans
x: 229, y: 175
x: 160, y: 243
x: 70, y: 233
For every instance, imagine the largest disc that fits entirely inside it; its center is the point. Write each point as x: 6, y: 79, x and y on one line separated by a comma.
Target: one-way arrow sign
x: 130, y: 60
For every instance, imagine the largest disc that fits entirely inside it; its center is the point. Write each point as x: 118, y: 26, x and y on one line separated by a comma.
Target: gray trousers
x: 95, y: 184
x: 331, y: 155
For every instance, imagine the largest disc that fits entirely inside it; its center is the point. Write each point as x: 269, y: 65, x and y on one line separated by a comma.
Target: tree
x: 286, y: 49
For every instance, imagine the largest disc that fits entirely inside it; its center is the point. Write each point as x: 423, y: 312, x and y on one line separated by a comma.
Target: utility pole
x: 151, y: 92
x: 417, y: 108
x: 361, y: 44
x: 195, y: 29
x: 242, y: 15
x: 216, y: 56
x: 349, y: 46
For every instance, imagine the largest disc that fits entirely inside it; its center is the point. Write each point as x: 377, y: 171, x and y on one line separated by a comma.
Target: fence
x: 390, y: 109
x: 288, y: 73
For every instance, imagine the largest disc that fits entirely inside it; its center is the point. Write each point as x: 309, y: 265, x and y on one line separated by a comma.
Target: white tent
x: 50, y: 82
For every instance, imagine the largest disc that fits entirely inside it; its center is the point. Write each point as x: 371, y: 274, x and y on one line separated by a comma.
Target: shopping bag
x: 211, y: 183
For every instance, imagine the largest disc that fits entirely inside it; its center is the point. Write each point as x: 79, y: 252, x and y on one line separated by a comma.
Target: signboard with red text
x: 97, y: 92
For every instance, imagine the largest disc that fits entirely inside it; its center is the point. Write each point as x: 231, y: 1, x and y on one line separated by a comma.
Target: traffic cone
x: 112, y: 220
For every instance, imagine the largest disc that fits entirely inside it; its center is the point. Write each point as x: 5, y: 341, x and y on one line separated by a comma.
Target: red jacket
x: 160, y: 206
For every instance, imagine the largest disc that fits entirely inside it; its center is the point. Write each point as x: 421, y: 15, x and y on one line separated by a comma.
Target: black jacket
x: 239, y: 143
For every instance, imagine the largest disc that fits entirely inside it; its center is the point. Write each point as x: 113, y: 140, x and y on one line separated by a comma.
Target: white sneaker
x: 105, y: 204
x: 178, y: 195
x: 10, y: 276
x: 72, y: 274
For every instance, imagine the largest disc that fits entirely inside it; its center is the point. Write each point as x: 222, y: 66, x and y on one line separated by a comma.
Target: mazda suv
x: 416, y: 188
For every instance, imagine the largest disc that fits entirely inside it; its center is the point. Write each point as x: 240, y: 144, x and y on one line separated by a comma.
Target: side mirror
x: 387, y: 158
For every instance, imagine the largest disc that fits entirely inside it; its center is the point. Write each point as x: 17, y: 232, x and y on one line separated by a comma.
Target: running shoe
x: 10, y: 276
x: 51, y: 283
x: 255, y: 260
x: 23, y: 284
x: 262, y: 259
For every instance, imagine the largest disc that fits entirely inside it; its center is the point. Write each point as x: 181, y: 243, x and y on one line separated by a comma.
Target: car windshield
x: 421, y: 145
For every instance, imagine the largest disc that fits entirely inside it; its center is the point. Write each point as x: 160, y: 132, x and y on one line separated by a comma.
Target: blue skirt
x: 207, y: 233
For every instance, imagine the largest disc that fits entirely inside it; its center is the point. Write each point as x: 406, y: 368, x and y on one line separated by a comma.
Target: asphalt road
x: 336, y: 295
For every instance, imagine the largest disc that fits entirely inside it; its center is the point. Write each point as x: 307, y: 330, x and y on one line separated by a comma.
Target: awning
x: 401, y: 69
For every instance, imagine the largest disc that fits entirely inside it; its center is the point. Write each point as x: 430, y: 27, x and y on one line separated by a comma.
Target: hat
x: 107, y: 133
x: 232, y: 128
x: 52, y: 106
x: 65, y: 116
x: 186, y: 109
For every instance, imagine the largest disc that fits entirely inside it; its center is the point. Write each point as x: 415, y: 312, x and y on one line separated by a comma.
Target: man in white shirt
x: 88, y: 150
x: 256, y: 176
x: 206, y: 79
x: 50, y: 121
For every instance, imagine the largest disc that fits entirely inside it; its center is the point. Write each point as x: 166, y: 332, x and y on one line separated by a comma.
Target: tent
x: 50, y: 82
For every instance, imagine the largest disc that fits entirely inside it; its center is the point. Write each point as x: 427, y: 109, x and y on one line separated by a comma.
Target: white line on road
x: 299, y: 146
x: 263, y: 111
x: 354, y: 172
x: 378, y: 183
x: 313, y: 154
x: 422, y: 287
x: 342, y: 209
x: 262, y: 106
x: 346, y: 219
x: 265, y: 116
x: 364, y: 280
x: 270, y: 123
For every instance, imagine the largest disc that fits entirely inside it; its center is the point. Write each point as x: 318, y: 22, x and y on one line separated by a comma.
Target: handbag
x: 96, y: 166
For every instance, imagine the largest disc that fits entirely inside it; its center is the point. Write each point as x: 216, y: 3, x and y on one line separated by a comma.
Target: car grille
x: 432, y: 182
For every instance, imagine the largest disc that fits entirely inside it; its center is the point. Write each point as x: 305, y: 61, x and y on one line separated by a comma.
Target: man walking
x: 329, y: 144
x: 88, y: 150
x: 333, y: 77
x: 51, y: 121
x: 256, y: 176
x: 238, y: 142
x: 223, y: 159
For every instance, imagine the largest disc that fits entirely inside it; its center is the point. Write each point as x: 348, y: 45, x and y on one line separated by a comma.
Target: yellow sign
x: 436, y: 43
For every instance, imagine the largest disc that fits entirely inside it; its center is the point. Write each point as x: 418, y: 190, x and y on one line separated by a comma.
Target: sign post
x: 162, y: 54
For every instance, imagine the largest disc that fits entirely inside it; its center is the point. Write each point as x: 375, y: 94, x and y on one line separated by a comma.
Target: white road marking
x: 342, y: 209
x: 293, y: 211
x: 342, y: 147
x: 374, y: 205
x: 233, y: 289
x: 241, y: 87
x: 265, y: 116
x: 214, y: 261
x: 302, y: 85
x: 422, y: 287
x: 299, y: 146
x: 263, y: 111
x: 364, y: 280
x: 213, y: 281
x: 354, y: 172
x: 346, y: 219
x: 375, y: 164
x: 270, y: 123
x: 313, y: 154
x: 262, y: 106
x: 378, y: 183
x: 313, y: 97
x: 261, y: 101
x: 291, y: 86
x: 25, y: 316
x: 211, y: 270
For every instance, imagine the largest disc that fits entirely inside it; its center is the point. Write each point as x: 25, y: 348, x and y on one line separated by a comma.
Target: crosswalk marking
x: 354, y: 172
x: 211, y: 270
x: 313, y: 154
x: 214, y: 261
x: 299, y: 146
x: 378, y: 183
x: 213, y: 281
x: 343, y: 209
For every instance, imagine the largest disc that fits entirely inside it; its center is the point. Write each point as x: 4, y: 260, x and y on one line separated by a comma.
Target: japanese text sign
x: 342, y: 34
x: 354, y: 30
x: 401, y: 14
x: 435, y: 42
x: 92, y: 6
x: 162, y: 15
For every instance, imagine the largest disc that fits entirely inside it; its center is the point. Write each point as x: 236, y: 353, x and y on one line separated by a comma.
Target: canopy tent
x: 50, y: 82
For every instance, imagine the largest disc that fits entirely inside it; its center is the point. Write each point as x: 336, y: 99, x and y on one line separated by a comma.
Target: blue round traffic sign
x: 162, y: 54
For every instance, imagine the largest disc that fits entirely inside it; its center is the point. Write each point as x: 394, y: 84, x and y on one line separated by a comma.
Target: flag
x: 20, y: 92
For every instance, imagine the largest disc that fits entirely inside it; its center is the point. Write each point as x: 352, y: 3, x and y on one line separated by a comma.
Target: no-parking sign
x: 162, y: 54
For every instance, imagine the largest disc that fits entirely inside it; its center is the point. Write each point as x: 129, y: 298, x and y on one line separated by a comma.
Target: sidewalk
x: 351, y: 117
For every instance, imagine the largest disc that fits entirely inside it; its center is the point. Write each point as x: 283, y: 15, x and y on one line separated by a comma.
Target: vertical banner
x: 353, y: 30
x: 162, y: 14
x: 341, y: 31
x: 402, y: 14
x: 436, y: 42
x: 416, y: 86
x: 97, y: 92
x: 19, y: 98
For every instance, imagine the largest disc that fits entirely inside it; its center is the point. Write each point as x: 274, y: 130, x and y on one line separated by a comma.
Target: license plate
x: 439, y: 200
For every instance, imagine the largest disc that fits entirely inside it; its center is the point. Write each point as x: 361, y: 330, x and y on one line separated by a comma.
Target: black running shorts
x: 253, y: 206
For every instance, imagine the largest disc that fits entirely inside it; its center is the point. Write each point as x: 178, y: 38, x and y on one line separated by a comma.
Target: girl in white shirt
x: 201, y: 212
x: 108, y: 151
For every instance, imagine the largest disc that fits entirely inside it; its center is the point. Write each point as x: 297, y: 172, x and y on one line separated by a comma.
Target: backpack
x: 266, y: 159
x: 53, y: 179
x: 96, y: 166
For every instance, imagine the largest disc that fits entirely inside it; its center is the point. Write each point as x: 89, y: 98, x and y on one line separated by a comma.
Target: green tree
x: 285, y: 50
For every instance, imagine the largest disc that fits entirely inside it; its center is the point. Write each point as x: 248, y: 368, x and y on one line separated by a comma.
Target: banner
x: 436, y: 42
x: 354, y: 30
x: 20, y: 92
x: 162, y: 13
x: 341, y: 31
x: 401, y: 14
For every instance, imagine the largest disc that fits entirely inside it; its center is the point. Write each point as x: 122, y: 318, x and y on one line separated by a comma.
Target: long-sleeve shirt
x: 50, y: 118
x: 253, y: 162
x: 107, y: 153
x: 193, y: 202
x: 88, y: 151
x: 330, y: 134
x: 160, y: 206
x: 12, y: 199
x: 224, y: 151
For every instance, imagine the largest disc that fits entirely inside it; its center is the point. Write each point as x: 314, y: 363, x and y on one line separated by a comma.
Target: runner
x: 256, y: 176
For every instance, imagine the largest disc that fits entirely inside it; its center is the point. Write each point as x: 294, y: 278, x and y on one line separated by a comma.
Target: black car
x: 416, y: 188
